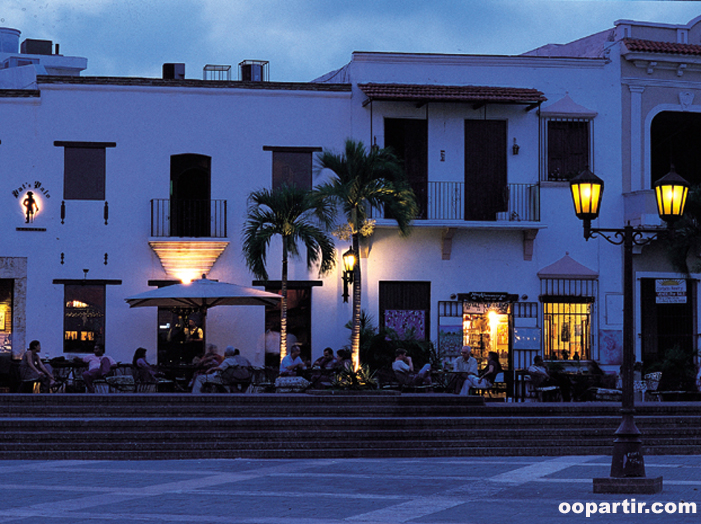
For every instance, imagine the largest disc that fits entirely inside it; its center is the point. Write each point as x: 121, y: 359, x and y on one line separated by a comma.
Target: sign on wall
x: 670, y: 291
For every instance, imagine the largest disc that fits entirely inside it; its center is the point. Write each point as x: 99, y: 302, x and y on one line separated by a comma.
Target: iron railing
x: 446, y: 201
x: 188, y: 218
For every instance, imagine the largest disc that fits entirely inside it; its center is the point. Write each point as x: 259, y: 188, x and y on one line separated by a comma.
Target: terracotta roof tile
x: 651, y: 46
x: 449, y: 93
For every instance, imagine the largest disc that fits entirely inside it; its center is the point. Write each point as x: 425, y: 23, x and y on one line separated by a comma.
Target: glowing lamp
x: 670, y: 192
x: 587, y: 189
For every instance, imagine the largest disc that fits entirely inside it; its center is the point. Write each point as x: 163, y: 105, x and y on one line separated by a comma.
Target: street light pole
x: 627, y: 461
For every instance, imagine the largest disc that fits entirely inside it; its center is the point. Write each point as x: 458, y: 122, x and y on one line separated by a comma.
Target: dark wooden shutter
x: 409, y: 140
x: 84, y: 173
x: 485, y: 169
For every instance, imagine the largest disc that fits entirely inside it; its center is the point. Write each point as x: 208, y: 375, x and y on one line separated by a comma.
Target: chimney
x: 173, y: 71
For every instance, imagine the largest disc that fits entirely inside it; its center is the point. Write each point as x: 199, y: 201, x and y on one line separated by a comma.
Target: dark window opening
x: 190, y: 195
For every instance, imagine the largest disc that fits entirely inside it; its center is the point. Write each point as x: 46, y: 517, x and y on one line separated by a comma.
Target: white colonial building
x: 142, y: 182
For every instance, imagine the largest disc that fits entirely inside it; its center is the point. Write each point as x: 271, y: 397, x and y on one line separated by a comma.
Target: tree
x: 684, y: 244
x: 295, y: 215
x: 365, y: 180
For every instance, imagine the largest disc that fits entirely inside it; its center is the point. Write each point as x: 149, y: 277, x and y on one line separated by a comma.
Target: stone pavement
x: 480, y: 490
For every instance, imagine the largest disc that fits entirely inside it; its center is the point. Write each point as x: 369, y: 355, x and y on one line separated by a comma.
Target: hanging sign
x: 670, y: 291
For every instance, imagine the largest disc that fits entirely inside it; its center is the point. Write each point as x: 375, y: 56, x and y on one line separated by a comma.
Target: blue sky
x: 304, y: 39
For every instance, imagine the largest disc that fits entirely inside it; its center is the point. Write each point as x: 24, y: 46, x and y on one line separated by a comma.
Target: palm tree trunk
x: 283, y: 303
x: 355, y: 333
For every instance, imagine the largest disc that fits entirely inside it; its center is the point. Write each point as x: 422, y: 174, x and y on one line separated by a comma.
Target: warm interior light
x: 670, y: 192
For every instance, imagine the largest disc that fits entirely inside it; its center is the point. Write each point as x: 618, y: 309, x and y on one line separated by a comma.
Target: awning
x: 476, y: 95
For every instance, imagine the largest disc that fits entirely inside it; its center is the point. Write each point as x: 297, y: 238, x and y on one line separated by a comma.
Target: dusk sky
x: 303, y: 39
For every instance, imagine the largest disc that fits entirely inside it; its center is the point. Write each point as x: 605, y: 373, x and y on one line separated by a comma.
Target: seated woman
x: 143, y: 371
x: 485, y: 380
x: 403, y: 368
x: 32, y: 369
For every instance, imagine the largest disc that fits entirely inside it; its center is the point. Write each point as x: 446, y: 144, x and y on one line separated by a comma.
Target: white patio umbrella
x: 203, y: 294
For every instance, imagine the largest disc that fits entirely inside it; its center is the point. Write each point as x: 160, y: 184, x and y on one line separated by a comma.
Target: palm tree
x: 364, y: 180
x: 685, y: 241
x: 295, y: 215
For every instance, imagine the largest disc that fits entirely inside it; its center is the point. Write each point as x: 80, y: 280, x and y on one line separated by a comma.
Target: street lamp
x: 349, y: 261
x: 627, y: 464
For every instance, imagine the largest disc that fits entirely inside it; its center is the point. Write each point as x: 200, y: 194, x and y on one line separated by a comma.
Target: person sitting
x: 99, y: 366
x: 326, y: 361
x: 343, y: 360
x: 232, y: 360
x: 542, y: 377
x: 463, y: 366
x: 235, y: 370
x: 143, y: 371
x: 205, y: 364
x: 486, y: 378
x: 292, y: 365
x: 403, y: 368
x: 32, y: 369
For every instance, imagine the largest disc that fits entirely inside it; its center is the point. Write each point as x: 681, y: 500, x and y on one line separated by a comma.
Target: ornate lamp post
x: 627, y: 465
x: 349, y: 261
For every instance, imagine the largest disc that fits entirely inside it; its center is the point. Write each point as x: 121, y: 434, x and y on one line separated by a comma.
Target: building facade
x: 137, y: 183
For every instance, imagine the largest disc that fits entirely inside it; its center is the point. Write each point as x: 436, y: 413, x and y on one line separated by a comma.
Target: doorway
x: 190, y: 195
x: 485, y: 169
x: 408, y: 138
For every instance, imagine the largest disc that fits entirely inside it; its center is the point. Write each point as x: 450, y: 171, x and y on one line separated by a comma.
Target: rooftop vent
x: 216, y: 72
x: 36, y: 47
x: 254, y: 71
x: 173, y: 71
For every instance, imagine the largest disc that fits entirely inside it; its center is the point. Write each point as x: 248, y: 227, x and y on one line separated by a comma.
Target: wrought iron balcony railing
x: 447, y: 201
x: 188, y: 218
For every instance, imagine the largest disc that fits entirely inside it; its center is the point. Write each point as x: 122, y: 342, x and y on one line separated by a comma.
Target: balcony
x: 444, y: 205
x: 444, y: 202
x: 188, y: 218
x: 188, y: 236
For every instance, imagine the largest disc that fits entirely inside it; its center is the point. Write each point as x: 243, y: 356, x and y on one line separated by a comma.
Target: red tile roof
x: 651, y: 46
x: 443, y: 93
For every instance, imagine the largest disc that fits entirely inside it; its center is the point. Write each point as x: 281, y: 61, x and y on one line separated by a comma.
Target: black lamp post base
x: 628, y: 485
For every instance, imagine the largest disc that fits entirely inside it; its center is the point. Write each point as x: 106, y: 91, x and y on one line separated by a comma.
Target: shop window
x: 83, y: 317
x: 405, y: 308
x: 6, y: 296
x: 292, y: 166
x: 567, y: 329
x: 568, y: 147
x: 84, y: 169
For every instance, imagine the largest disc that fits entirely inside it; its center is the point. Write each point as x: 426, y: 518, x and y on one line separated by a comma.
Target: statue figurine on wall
x: 30, y: 206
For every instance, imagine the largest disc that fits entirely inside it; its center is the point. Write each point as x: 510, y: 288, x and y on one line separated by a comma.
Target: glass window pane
x: 83, y: 317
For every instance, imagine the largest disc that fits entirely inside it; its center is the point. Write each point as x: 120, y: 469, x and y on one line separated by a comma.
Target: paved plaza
x: 426, y: 490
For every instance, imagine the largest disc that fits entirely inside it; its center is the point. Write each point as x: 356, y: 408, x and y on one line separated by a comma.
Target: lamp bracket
x: 639, y: 236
